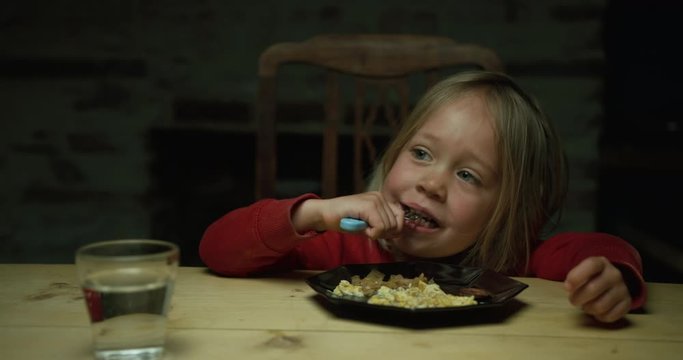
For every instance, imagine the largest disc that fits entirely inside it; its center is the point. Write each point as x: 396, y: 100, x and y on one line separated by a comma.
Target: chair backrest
x: 382, y: 62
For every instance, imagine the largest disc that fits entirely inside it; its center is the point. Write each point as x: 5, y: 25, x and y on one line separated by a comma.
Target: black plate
x: 452, y: 279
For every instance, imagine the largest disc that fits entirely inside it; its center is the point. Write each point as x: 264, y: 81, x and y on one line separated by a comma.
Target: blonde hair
x: 532, y: 165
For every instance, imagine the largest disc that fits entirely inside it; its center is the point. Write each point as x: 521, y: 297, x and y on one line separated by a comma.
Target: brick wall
x: 120, y: 118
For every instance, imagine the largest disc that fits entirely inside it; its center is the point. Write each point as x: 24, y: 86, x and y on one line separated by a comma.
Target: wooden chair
x: 383, y: 62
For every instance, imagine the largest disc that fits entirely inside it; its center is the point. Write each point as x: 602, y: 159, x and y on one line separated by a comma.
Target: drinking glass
x: 127, y: 286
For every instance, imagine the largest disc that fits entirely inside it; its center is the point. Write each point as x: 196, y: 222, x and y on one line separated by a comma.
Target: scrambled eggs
x: 399, y: 292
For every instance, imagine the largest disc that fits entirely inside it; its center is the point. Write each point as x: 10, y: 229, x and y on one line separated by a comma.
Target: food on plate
x: 398, y: 291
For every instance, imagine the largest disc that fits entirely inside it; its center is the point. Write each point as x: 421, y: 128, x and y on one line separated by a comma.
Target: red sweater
x: 260, y: 238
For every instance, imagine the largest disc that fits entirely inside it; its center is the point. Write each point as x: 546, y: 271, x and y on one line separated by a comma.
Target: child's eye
x: 467, y: 176
x: 420, y: 154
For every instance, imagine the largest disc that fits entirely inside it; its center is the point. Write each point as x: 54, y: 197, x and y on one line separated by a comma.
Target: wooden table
x: 42, y: 315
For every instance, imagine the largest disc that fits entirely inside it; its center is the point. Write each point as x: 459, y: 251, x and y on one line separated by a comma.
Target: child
x: 471, y: 178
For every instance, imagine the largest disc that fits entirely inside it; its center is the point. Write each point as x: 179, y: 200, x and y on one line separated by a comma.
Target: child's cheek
x: 399, y: 178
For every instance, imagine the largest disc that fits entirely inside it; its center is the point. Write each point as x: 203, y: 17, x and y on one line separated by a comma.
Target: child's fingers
x: 382, y: 217
x: 584, y: 282
x: 390, y: 220
x: 584, y: 272
x: 378, y: 223
x: 597, y: 287
x: 593, y: 284
x: 592, y: 290
x: 602, y: 303
x: 616, y: 312
x: 385, y: 225
x: 610, y: 306
x: 588, y: 292
x: 397, y: 214
x: 386, y: 219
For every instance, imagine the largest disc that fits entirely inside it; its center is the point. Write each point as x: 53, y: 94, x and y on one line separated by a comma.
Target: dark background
x: 641, y: 174
x: 135, y: 118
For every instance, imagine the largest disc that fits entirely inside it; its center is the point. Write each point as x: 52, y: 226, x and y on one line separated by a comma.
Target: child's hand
x: 597, y: 287
x: 384, y: 218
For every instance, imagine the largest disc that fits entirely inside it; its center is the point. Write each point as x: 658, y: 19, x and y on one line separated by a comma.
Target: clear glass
x: 127, y: 286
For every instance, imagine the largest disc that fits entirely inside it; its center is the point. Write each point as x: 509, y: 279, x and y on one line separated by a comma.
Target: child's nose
x: 433, y: 185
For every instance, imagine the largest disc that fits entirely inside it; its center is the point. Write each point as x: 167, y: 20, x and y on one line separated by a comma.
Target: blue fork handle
x: 352, y: 224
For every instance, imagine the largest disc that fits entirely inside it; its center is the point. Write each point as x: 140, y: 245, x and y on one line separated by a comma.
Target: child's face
x: 446, y: 178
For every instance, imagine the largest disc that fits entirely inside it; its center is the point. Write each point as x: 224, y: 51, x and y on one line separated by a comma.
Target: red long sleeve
x: 260, y: 238
x: 555, y: 257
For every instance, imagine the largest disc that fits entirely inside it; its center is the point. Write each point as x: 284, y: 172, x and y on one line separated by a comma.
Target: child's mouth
x: 415, y: 218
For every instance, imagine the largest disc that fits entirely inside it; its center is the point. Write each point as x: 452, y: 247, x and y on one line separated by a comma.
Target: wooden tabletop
x: 42, y: 315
